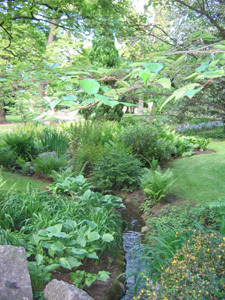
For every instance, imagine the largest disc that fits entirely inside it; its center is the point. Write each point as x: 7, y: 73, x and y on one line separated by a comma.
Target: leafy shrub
x: 96, y: 132
x: 7, y: 157
x: 34, y: 129
x: 156, y: 183
x: 117, y: 169
x: 150, y: 141
x: 195, y: 272
x: 46, y: 162
x: 21, y: 144
x: 52, y: 140
x: 88, y: 140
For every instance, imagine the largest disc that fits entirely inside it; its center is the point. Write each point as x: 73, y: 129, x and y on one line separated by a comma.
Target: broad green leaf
x: 68, y: 103
x: 213, y: 63
x: 221, y: 47
x: 35, y: 239
x: 54, y: 229
x: 93, y: 236
x: 78, y: 251
x: 57, y: 246
x: 203, y: 66
x: 60, y: 235
x: 101, y: 97
x: 51, y: 267
x: 111, y: 103
x: 39, y: 258
x: 73, y: 262
x: 3, y: 79
x: 69, y: 98
x: 212, y: 74
x: 103, y: 275
x: 165, y: 82
x: 145, y: 75
x: 69, y: 262
x: 128, y: 104
x: 92, y: 255
x: 154, y: 67
x: 190, y: 93
x: 54, y: 103
x: 81, y: 241
x: 43, y: 232
x: 92, y: 224
x: 191, y: 76
x: 107, y: 237
x: 152, y: 77
x: 90, y: 86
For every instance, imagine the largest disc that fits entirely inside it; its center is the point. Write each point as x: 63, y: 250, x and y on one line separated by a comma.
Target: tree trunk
x: 51, y: 39
x: 2, y: 113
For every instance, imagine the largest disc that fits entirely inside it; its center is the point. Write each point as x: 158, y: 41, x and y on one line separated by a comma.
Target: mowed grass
x: 13, y: 119
x: 200, y: 178
x: 20, y: 182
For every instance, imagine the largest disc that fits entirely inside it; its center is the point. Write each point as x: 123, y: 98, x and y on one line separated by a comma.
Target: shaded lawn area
x: 20, y: 182
x: 200, y: 177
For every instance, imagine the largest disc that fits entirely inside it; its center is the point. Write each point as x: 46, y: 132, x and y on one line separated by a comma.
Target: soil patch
x: 207, y: 151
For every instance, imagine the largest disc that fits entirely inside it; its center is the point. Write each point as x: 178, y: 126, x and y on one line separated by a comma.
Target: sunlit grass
x: 20, y: 182
x: 14, y: 119
x: 201, y: 177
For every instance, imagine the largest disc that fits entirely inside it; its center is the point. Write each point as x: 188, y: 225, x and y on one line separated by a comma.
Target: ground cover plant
x: 57, y: 232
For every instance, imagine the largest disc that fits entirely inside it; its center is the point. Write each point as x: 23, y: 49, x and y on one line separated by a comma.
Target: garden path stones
x: 60, y: 290
x: 15, y: 281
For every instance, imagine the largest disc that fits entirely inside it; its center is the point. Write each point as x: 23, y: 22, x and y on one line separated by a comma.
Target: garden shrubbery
x: 154, y: 141
x: 117, y: 169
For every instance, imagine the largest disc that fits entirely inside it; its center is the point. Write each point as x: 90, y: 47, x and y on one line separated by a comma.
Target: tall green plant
x: 117, y: 169
x: 156, y: 183
x: 52, y: 140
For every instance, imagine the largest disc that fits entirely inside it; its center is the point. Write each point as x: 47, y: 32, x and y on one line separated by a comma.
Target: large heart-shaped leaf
x: 90, y: 86
x: 107, y: 237
x: 145, y: 75
x: 154, y: 67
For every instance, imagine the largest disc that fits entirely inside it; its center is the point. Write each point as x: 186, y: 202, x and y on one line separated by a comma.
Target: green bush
x: 88, y: 140
x: 7, y: 157
x: 34, y: 129
x: 21, y: 144
x: 117, y: 169
x: 46, y: 162
x: 154, y: 141
x: 96, y: 132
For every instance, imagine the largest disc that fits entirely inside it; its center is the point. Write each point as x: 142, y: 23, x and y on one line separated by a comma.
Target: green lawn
x: 14, y: 119
x: 201, y: 177
x: 20, y: 182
